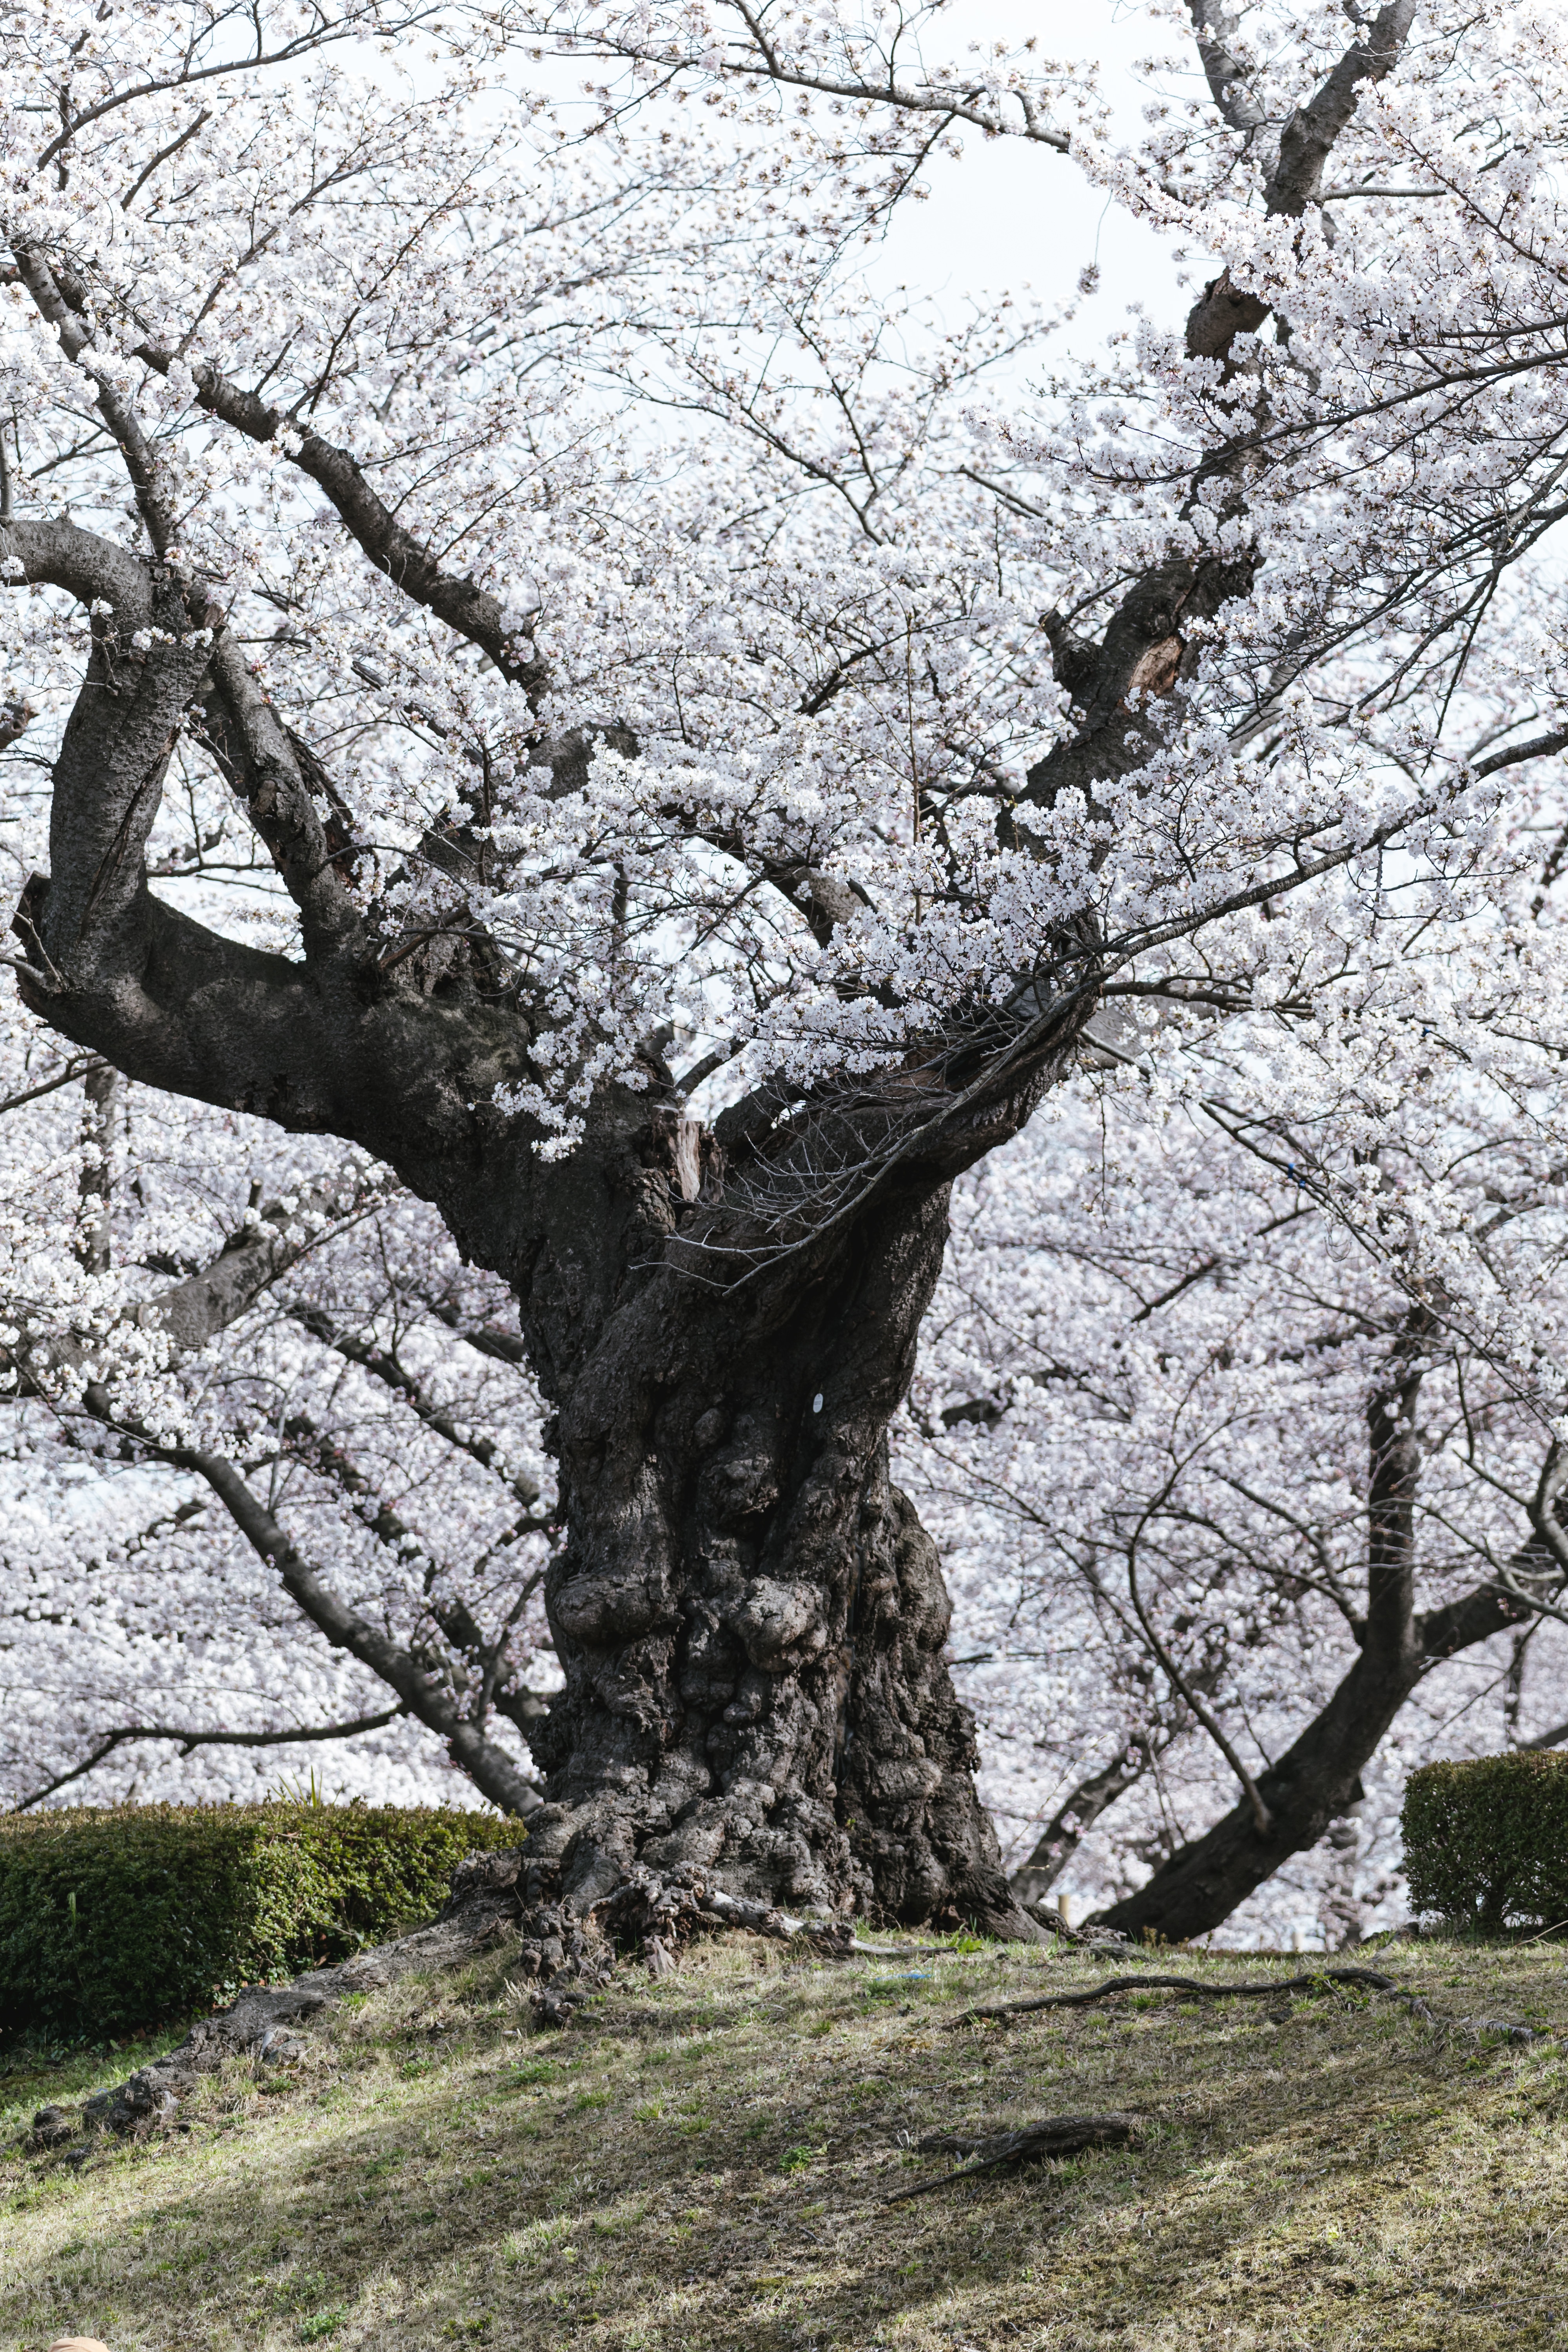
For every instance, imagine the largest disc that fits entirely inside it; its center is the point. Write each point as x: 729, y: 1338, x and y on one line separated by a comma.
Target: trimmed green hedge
x: 121, y: 1917
x: 1485, y: 1842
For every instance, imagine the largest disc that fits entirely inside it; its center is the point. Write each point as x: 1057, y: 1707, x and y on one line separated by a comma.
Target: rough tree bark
x: 749, y: 1617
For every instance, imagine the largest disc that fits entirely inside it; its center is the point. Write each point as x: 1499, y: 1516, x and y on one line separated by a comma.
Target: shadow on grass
x: 702, y: 2167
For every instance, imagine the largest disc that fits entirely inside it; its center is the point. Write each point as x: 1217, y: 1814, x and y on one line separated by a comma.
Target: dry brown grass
x: 702, y: 2168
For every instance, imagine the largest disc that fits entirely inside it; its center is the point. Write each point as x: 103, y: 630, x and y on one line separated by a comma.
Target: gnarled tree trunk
x: 750, y: 1616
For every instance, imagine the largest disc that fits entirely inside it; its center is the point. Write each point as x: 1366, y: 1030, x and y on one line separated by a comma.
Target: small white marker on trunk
x: 817, y: 1401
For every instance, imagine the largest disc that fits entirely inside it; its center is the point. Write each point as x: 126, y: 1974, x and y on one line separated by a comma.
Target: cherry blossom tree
x: 529, y: 691
x: 348, y: 1542
x: 1241, y: 1432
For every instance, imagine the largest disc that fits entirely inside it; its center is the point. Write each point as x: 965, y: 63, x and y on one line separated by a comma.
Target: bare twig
x: 190, y: 1740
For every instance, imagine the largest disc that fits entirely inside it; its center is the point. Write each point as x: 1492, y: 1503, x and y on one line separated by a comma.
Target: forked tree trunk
x: 748, y: 1615
x: 750, y: 1618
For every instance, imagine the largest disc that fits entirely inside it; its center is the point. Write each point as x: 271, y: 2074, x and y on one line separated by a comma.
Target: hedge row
x: 117, y: 1917
x: 1485, y: 1841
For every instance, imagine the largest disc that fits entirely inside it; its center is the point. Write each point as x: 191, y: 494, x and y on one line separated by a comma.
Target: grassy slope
x: 702, y: 2167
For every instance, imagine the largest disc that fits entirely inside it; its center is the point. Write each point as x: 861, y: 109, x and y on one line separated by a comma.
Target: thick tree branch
x: 489, y: 1768
x: 1393, y: 1468
x: 1214, y: 28
x: 117, y: 412
x: 190, y: 1741
x: 1513, y: 755
x: 262, y: 762
x: 325, y: 1047
x: 254, y: 748
x: 59, y: 553
x: 1317, y: 1778
x: 1308, y: 138
x: 467, y: 608
x: 1150, y: 643
x: 190, y: 1313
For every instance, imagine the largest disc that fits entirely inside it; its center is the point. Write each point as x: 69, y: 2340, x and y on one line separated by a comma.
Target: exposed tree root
x: 1319, y: 1981
x: 660, y: 1913
x: 1002, y: 2010
x: 1068, y: 2135
x: 256, y: 2026
x: 1030, y: 2144
x: 566, y: 1957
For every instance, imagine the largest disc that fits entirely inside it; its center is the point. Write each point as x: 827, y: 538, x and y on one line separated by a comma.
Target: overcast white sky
x: 1010, y: 215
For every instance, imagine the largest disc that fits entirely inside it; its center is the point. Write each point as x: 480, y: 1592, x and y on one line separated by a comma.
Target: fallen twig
x: 1319, y: 1980
x: 1053, y: 2136
x: 1314, y: 1983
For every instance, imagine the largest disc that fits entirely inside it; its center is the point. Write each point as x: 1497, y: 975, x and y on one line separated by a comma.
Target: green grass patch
x: 702, y: 2166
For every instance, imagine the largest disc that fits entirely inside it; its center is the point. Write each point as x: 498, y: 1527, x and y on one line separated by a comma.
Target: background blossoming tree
x: 531, y: 692
x: 1241, y: 1452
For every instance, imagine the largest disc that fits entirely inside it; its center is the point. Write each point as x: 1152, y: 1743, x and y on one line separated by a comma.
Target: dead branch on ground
x: 1030, y: 2144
